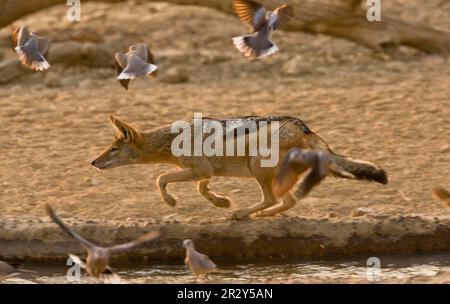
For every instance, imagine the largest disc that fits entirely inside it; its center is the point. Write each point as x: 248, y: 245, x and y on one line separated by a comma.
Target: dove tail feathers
x: 32, y: 59
x: 127, y: 74
x: 252, y: 46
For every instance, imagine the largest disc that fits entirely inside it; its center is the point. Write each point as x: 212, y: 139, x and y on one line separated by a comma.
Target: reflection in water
x: 399, y: 267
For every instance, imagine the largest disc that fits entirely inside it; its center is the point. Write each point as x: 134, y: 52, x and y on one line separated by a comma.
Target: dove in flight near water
x: 199, y: 264
x: 264, y: 22
x: 97, y: 260
x: 298, y: 161
x: 443, y: 195
x: 137, y: 62
x: 31, y: 48
x: 7, y: 270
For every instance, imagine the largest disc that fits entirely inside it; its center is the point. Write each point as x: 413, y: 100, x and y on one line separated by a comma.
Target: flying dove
x: 264, y: 22
x: 97, y: 260
x: 7, y: 270
x: 137, y: 62
x: 199, y: 264
x: 31, y: 49
x: 298, y: 161
x: 443, y: 195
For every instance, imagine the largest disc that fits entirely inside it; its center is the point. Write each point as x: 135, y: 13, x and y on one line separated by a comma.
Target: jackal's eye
x: 114, y: 149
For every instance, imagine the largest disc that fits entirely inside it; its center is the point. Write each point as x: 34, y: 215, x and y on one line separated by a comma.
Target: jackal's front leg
x: 217, y: 200
x: 267, y: 201
x: 185, y: 175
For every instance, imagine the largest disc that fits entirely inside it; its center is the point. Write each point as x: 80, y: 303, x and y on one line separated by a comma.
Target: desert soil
x: 390, y: 110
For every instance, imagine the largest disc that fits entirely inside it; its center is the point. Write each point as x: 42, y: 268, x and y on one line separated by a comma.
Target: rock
x: 175, y: 75
x: 332, y: 215
x: 296, y: 66
x: 362, y: 211
x: 357, y: 213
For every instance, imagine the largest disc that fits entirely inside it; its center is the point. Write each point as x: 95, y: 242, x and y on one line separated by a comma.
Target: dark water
x: 301, y: 271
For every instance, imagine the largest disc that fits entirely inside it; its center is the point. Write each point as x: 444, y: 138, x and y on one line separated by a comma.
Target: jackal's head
x: 126, y: 148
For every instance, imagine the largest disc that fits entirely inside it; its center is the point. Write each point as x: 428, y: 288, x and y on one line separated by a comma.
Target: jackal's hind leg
x: 185, y: 175
x: 217, y: 200
x: 288, y: 202
x: 267, y: 201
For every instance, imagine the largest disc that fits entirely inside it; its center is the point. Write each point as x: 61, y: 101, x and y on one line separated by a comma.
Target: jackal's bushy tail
x: 362, y: 170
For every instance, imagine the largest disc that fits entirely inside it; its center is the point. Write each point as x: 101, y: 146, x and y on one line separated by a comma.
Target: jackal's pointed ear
x: 124, y: 131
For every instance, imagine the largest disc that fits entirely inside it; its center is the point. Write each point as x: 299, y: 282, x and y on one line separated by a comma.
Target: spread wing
x: 15, y: 38
x: 250, y: 12
x: 121, y: 63
x: 151, y: 60
x: 42, y: 43
x: 311, y: 180
x: 86, y: 244
x: 20, y: 36
x: 146, y: 55
x: 151, y: 236
x: 288, y: 173
x: 6, y: 269
x: 281, y: 16
x: 142, y: 52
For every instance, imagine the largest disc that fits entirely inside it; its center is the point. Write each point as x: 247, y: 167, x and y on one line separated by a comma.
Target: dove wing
x: 20, y: 36
x: 250, y: 12
x: 86, y: 244
x: 288, y: 172
x: 142, y: 52
x: 281, y: 16
x: 42, y: 43
x: 313, y: 178
x: 15, y: 38
x: 151, y: 236
x: 206, y: 262
x: 121, y: 63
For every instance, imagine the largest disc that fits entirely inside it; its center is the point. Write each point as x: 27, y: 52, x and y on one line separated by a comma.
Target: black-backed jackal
x: 131, y: 146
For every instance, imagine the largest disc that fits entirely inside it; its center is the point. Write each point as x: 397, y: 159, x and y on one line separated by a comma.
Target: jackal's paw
x: 169, y: 200
x: 267, y: 213
x: 221, y: 202
x: 239, y: 215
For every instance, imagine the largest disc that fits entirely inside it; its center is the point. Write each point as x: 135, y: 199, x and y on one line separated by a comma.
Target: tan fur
x: 134, y: 147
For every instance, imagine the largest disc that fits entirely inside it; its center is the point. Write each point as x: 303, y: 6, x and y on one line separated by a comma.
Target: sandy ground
x: 394, y: 111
